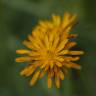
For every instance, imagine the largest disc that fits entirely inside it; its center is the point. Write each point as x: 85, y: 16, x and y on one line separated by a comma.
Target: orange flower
x: 49, y: 50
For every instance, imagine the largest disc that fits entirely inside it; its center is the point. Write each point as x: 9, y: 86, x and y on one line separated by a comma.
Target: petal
x: 42, y: 73
x: 34, y: 78
x: 55, y: 69
x: 70, y: 45
x: 49, y: 24
x: 29, y: 45
x: 65, y: 70
x: 35, y: 40
x: 56, y: 20
x: 61, y: 45
x: 30, y: 38
x: 75, y: 66
x: 49, y: 82
x: 47, y: 68
x: 53, y: 35
x: 61, y: 75
x: 36, y: 32
x: 49, y: 79
x: 28, y: 71
x: 46, y: 41
x: 59, y: 58
x: 33, y: 44
x: 68, y: 22
x: 72, y: 36
x: 72, y: 65
x: 66, y: 64
x: 44, y: 64
x: 55, y: 42
x: 68, y: 19
x: 63, y: 52
x: 23, y: 51
x: 43, y: 24
x: 23, y: 59
x: 24, y: 71
x: 57, y: 81
x: 51, y: 64
x: 35, y: 53
x: 59, y: 64
x: 75, y: 52
x: 71, y: 58
x: 52, y: 73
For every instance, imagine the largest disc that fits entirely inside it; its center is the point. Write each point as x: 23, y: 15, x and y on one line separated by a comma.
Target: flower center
x: 50, y: 55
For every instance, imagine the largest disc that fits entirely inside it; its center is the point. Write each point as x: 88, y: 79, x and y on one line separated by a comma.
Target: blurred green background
x: 18, y: 17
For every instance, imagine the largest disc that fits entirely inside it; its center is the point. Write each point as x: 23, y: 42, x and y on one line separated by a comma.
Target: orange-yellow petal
x: 42, y: 73
x: 70, y: 45
x: 59, y: 64
x: 28, y: 71
x: 71, y: 58
x: 23, y: 59
x: 22, y: 51
x: 57, y: 81
x: 49, y: 82
x: 63, y: 52
x: 29, y: 45
x: 56, y: 20
x: 76, y: 66
x: 61, y: 75
x: 34, y: 78
x: 75, y: 52
x: 61, y: 45
x: 72, y: 36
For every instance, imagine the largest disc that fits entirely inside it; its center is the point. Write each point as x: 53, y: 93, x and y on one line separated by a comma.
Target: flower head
x: 49, y: 50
